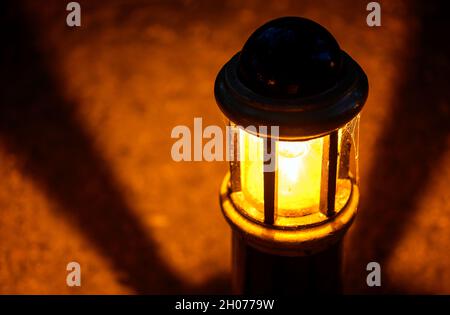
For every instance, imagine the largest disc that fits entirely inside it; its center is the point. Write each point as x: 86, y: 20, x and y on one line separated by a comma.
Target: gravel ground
x: 85, y: 121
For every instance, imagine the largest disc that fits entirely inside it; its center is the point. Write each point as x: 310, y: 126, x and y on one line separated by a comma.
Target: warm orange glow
x: 252, y: 175
x: 298, y: 177
x: 298, y: 174
x: 298, y: 180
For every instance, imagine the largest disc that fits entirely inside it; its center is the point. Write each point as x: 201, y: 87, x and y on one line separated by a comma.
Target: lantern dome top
x: 291, y: 73
x: 290, y: 57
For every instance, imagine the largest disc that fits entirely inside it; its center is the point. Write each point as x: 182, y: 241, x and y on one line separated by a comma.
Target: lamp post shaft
x: 257, y: 272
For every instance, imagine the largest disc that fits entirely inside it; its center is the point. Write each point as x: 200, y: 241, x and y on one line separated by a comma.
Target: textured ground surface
x: 85, y: 122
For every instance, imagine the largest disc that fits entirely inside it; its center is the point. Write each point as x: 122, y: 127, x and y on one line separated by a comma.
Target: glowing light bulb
x: 298, y: 174
x: 293, y: 149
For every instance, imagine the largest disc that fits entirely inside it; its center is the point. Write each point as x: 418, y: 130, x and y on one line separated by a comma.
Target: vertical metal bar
x: 344, y: 154
x: 323, y: 205
x: 332, y: 172
x: 235, y: 163
x: 329, y: 173
x: 269, y: 182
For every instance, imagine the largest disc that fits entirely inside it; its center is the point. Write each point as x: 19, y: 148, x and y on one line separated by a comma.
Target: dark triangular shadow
x: 409, y: 150
x: 38, y: 126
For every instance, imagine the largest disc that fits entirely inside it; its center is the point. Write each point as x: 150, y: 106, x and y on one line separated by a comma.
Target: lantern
x: 291, y: 98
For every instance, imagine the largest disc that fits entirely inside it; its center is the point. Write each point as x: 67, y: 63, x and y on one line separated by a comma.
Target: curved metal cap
x: 291, y: 73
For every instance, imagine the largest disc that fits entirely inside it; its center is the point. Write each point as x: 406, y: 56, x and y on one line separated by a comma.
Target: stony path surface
x: 85, y: 122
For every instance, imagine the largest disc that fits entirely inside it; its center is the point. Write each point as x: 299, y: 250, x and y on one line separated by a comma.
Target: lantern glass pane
x: 348, y: 150
x: 298, y: 176
x: 252, y: 174
x: 300, y: 183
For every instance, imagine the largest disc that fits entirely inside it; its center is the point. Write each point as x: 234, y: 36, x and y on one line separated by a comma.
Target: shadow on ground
x: 38, y: 125
x: 412, y: 142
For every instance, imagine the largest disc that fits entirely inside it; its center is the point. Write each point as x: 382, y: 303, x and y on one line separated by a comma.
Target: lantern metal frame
x: 298, y: 119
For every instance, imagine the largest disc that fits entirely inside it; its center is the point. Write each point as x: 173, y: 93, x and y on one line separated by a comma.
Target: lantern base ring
x: 303, y: 241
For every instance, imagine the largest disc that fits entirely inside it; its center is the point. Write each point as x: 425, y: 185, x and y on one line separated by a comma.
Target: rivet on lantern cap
x: 291, y: 73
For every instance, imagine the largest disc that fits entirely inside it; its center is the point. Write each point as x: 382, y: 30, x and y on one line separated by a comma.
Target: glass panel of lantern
x: 312, y: 179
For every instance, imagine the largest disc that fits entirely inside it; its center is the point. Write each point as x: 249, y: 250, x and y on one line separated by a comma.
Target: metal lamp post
x: 288, y: 220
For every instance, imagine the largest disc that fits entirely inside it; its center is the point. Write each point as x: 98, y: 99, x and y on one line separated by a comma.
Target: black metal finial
x: 290, y: 57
